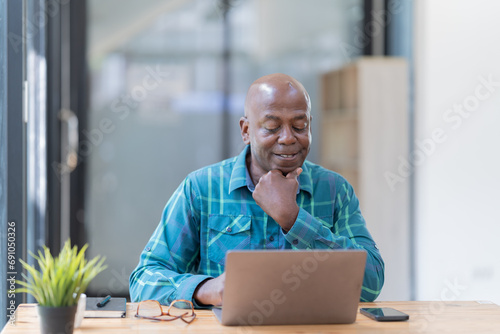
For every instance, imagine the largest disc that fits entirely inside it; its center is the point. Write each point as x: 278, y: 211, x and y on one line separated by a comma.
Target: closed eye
x: 299, y: 127
x: 273, y: 130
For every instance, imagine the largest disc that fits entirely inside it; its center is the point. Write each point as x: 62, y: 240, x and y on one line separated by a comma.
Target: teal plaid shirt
x: 213, y: 211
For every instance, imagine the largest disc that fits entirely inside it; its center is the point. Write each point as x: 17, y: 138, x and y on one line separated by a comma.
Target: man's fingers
x: 294, y: 174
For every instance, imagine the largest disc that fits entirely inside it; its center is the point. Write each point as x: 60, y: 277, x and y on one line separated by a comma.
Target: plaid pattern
x: 213, y: 211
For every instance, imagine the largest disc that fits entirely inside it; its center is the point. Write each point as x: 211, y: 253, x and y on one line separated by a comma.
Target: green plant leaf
x: 60, y: 280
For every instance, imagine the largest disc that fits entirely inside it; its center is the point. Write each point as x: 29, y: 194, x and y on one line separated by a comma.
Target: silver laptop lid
x: 292, y: 287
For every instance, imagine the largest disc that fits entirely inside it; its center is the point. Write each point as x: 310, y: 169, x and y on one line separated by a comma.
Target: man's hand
x: 210, y: 291
x: 276, y: 194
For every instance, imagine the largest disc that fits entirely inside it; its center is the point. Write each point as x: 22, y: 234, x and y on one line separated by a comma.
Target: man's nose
x: 287, y: 136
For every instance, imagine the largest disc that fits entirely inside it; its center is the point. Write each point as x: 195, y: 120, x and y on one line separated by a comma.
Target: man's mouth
x: 286, y: 156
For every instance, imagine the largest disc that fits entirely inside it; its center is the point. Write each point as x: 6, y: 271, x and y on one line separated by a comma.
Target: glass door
x: 41, y: 79
x: 168, y: 81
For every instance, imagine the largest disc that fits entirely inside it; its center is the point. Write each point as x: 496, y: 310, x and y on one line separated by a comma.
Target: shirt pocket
x: 227, y: 232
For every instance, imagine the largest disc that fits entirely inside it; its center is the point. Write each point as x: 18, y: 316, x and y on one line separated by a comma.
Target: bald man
x: 267, y: 197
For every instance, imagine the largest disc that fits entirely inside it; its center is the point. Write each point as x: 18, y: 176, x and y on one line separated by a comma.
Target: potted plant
x: 58, y: 284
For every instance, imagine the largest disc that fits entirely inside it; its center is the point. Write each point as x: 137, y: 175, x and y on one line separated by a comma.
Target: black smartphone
x: 384, y: 314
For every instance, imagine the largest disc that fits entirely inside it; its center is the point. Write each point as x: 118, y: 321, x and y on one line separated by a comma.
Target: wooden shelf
x: 364, y: 132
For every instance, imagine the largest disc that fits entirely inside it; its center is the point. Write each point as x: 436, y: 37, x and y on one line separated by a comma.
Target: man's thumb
x: 294, y: 174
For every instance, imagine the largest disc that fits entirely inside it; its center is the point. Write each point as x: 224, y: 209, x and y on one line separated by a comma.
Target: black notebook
x: 114, y: 308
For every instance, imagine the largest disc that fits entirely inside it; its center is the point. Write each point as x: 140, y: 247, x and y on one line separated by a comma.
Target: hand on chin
x: 276, y: 195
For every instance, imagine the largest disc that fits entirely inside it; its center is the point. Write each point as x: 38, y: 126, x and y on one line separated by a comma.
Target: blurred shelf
x: 364, y: 133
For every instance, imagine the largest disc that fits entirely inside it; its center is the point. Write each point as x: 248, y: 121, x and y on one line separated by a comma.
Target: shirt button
x: 148, y: 249
x: 295, y: 242
x: 271, y: 238
x: 228, y: 229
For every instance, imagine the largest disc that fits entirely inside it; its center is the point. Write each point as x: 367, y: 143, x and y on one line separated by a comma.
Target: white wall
x: 457, y: 181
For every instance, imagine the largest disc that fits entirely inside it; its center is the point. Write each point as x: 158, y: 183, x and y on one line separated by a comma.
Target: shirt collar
x: 240, y: 177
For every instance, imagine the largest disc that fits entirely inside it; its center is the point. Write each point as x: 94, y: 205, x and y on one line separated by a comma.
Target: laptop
x: 291, y: 287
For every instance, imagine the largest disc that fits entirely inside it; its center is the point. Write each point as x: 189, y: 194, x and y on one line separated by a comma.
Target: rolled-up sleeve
x: 166, y: 263
x: 348, y: 231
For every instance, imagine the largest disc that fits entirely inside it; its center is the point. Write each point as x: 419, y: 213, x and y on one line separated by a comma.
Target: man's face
x: 277, y: 127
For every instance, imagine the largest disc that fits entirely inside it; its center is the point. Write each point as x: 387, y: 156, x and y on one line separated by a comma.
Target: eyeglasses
x: 151, y: 309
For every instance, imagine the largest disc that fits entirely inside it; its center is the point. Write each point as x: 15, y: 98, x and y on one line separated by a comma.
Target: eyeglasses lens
x: 150, y: 309
x: 180, y: 308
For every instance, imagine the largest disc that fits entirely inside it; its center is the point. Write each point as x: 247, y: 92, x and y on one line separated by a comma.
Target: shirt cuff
x: 187, y: 288
x: 304, y: 231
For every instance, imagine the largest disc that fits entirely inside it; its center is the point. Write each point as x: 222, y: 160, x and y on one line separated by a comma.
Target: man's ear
x: 244, y: 130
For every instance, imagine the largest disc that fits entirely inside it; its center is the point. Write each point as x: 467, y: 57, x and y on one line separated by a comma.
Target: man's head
x: 276, y: 124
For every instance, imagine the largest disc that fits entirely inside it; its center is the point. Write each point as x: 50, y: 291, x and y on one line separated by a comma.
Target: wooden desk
x: 425, y: 317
